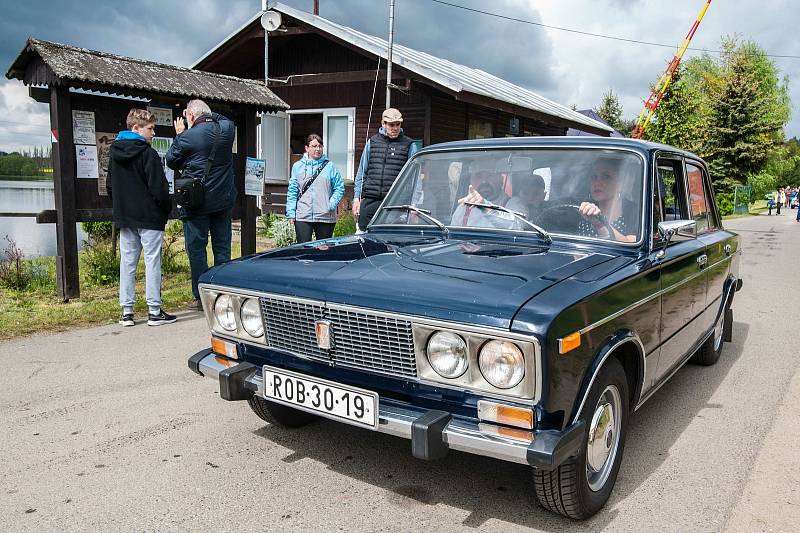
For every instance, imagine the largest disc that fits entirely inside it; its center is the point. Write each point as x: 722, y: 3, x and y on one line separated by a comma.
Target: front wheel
x: 581, y: 485
x: 279, y: 414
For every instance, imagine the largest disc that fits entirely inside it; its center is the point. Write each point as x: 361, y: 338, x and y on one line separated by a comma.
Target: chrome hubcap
x: 603, y: 443
x: 718, y: 331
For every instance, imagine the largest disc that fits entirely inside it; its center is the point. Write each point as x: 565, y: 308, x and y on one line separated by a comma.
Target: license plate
x: 329, y: 399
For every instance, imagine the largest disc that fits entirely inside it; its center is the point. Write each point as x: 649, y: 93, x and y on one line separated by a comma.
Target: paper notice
x: 83, y: 127
x: 254, y: 176
x: 163, y: 115
x: 161, y: 145
x: 86, y: 159
x: 104, y: 141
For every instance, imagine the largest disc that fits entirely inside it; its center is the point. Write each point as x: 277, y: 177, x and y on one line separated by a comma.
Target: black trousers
x: 321, y: 230
x: 367, y: 211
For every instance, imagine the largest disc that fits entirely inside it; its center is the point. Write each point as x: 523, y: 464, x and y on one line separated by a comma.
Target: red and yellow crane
x: 663, y: 82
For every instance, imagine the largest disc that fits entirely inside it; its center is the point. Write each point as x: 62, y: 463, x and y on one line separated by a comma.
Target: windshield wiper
x: 520, y: 216
x: 424, y: 213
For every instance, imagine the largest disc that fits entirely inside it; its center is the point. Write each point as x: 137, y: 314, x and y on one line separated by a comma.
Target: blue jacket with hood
x: 319, y: 202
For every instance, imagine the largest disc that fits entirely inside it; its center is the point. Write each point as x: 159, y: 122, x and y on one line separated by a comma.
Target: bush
x: 102, y: 263
x: 267, y: 222
x: 14, y: 271
x: 346, y: 225
x: 725, y: 203
x: 171, y: 255
x: 98, y: 230
x: 282, y: 232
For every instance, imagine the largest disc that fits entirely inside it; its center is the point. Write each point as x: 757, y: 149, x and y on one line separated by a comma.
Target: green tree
x: 678, y: 120
x: 745, y: 121
x: 610, y: 109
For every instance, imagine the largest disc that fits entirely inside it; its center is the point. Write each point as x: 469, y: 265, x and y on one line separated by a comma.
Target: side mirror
x: 670, y: 229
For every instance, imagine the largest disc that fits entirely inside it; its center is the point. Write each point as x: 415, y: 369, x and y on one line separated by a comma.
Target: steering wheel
x: 538, y: 219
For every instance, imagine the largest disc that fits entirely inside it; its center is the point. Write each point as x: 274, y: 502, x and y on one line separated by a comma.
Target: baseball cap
x: 392, y: 115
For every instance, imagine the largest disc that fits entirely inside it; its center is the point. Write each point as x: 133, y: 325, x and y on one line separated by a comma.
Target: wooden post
x: 63, y: 153
x: 247, y: 147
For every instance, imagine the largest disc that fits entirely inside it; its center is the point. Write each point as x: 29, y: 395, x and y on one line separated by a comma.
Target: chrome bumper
x: 432, y: 432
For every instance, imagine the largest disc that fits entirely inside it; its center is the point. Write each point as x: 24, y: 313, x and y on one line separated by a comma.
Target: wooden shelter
x: 76, y: 79
x: 334, y: 76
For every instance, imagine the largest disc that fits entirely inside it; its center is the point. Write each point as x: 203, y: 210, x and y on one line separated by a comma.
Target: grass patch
x: 38, y: 309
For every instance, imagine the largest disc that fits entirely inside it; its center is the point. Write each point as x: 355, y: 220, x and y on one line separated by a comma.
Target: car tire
x: 709, y: 352
x: 580, y: 486
x: 280, y: 415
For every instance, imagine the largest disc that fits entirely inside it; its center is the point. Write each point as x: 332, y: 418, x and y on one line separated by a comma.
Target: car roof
x: 561, y: 141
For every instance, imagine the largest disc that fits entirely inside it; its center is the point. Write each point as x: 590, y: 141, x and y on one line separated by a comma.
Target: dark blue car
x: 512, y: 298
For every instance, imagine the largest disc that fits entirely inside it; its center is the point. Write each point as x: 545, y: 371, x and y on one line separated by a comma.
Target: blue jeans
x: 195, y: 231
x: 131, y: 243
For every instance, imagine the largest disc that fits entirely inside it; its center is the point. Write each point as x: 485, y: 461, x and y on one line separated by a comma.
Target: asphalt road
x: 106, y: 429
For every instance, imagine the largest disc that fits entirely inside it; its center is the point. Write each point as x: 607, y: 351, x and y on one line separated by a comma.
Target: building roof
x: 93, y: 70
x: 573, y: 132
x: 452, y: 76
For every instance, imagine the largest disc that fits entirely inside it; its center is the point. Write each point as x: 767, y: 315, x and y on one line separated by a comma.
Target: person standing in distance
x: 141, y: 205
x: 315, y: 190
x: 189, y: 153
x: 384, y: 156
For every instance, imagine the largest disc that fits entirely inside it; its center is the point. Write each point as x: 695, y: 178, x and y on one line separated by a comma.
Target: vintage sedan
x: 512, y: 298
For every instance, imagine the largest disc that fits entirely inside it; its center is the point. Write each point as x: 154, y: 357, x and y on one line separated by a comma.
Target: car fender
x: 606, y: 350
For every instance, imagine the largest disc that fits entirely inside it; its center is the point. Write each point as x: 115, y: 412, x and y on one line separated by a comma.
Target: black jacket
x: 386, y: 159
x: 137, y: 186
x: 189, y: 154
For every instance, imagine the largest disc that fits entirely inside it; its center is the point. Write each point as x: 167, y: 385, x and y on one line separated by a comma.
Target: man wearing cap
x: 381, y: 162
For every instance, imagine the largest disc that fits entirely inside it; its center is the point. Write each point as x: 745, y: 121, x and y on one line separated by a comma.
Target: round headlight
x: 251, y: 318
x: 223, y: 311
x: 502, y: 364
x: 447, y: 353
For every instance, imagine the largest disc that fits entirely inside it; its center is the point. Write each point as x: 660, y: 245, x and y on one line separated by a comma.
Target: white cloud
x: 23, y: 121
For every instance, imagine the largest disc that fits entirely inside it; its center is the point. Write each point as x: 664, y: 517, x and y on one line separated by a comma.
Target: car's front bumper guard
x: 432, y: 433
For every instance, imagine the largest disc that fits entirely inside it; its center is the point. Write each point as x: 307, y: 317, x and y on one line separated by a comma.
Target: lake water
x: 29, y: 197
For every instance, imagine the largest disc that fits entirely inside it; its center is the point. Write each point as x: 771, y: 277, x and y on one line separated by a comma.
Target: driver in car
x: 606, y: 214
x: 484, y: 188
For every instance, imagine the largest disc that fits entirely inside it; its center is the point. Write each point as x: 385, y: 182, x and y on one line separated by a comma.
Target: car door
x: 719, y: 243
x: 683, y: 276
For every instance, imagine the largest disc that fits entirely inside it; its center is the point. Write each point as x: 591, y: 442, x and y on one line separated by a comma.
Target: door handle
x: 727, y: 249
x: 702, y: 260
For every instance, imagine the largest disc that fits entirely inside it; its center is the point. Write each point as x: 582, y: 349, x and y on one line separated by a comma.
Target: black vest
x: 386, y: 159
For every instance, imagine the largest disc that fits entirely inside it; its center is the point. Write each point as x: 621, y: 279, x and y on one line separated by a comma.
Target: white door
x: 275, y: 146
x: 338, y: 136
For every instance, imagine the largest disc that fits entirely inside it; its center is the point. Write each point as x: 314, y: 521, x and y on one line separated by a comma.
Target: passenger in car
x: 528, y: 195
x: 484, y: 188
x: 607, y: 215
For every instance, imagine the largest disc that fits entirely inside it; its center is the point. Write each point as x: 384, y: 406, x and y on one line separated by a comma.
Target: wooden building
x: 334, y: 77
x: 104, y: 87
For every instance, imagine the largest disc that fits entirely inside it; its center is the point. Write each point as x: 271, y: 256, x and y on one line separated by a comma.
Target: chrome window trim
x: 579, y: 238
x: 485, y: 331
x: 656, y: 294
x: 635, y: 339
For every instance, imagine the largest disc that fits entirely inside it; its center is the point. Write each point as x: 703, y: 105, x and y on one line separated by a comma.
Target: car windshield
x: 567, y: 192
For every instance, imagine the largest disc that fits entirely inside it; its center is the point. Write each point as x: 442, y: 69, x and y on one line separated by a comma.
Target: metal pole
x: 389, y: 56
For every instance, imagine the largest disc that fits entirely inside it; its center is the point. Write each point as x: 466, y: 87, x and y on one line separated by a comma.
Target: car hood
x: 472, y: 281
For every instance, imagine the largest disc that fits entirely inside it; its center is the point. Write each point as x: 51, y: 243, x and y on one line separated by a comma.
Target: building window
x: 480, y: 129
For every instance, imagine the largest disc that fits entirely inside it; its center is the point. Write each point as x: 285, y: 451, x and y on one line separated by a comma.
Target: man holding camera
x: 206, y: 191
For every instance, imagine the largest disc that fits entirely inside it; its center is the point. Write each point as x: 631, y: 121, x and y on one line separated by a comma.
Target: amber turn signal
x: 569, y: 343
x: 224, y: 348
x: 505, y: 414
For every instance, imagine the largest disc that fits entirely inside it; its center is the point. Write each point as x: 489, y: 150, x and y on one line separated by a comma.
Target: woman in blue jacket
x: 315, y: 190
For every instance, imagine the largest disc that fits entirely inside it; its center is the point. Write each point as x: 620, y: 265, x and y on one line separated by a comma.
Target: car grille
x: 359, y: 339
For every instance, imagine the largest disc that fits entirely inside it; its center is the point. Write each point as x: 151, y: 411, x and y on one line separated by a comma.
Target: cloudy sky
x: 566, y: 67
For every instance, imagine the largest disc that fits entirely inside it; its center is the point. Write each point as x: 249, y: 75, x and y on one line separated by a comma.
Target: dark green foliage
x: 98, y: 230
x: 101, y: 261
x: 346, y: 225
x: 173, y: 259
x: 610, y: 110
x: 725, y: 203
x: 267, y: 224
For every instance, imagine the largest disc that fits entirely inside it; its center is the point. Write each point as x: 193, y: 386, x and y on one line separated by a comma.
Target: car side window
x: 698, y: 199
x: 668, y: 196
